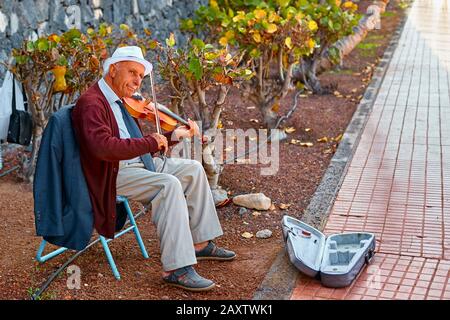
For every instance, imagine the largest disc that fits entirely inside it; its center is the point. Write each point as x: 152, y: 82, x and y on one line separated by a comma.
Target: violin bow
x: 158, y: 124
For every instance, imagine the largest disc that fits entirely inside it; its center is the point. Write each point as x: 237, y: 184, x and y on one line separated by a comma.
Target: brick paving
x: 398, y: 182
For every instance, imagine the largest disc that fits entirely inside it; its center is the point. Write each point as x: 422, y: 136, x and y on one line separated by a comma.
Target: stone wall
x: 29, y: 19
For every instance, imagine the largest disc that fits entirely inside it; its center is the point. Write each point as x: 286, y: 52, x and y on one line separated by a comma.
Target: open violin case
x: 335, y: 260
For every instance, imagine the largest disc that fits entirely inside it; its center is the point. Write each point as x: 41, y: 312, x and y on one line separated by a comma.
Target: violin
x: 141, y: 108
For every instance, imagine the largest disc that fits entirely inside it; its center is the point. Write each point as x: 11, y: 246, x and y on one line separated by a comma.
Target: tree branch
x: 219, y: 106
x: 280, y: 64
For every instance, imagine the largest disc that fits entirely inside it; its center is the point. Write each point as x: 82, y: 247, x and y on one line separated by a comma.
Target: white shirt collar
x: 109, y: 94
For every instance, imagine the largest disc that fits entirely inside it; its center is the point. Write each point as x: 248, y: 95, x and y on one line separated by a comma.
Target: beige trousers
x: 183, y: 209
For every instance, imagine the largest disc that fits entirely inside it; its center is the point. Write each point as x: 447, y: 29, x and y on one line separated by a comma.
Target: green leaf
x: 153, y: 44
x: 62, y: 61
x: 211, y: 55
x: 171, y: 41
x: 255, y: 53
x: 30, y: 46
x: 72, y: 34
x: 42, y: 44
x: 283, y: 3
x: 196, y: 68
x: 21, y: 59
x: 124, y: 27
x: 334, y: 55
x: 302, y: 3
x: 198, y: 43
x: 217, y: 70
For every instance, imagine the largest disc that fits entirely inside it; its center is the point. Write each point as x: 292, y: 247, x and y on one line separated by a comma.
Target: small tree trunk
x: 266, y: 102
x: 28, y: 165
x: 309, y: 77
x: 307, y: 72
x: 270, y: 117
x: 212, y: 168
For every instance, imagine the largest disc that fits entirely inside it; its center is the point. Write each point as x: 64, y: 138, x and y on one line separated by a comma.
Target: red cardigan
x: 101, y: 149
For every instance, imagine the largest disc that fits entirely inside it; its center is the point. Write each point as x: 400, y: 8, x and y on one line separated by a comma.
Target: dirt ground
x: 300, y: 171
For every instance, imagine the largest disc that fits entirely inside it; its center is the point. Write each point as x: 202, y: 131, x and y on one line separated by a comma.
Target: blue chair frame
x: 103, y: 241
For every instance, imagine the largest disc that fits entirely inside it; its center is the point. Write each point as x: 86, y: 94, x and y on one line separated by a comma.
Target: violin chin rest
x: 137, y: 96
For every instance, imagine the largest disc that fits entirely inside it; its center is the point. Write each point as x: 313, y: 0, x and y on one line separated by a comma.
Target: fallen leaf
x: 284, y: 206
x: 354, y: 90
x: 256, y: 213
x: 246, y: 223
x: 295, y: 141
x: 308, y: 129
x: 276, y: 107
x: 303, y: 96
x: 250, y: 108
x: 247, y: 235
x: 272, y: 207
x: 254, y: 120
x: 323, y: 139
x: 306, y: 144
x: 336, y: 93
x: 329, y: 150
x: 338, y: 138
x: 289, y: 130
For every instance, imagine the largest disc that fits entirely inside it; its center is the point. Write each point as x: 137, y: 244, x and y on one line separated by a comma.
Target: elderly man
x: 116, y: 159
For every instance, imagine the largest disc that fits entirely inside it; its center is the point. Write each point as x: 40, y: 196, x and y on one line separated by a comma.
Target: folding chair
x: 103, y: 241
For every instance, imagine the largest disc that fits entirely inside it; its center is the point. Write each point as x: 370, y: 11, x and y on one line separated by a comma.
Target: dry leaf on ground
x: 306, y: 144
x: 284, y: 206
x: 247, y: 235
x: 289, y: 129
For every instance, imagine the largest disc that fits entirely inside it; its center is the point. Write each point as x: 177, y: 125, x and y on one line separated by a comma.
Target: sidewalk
x: 398, y: 182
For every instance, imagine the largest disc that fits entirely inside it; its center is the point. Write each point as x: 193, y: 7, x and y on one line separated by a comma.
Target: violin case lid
x: 336, y: 260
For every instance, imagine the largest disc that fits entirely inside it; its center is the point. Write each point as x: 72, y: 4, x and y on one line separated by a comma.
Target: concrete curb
x: 280, y: 280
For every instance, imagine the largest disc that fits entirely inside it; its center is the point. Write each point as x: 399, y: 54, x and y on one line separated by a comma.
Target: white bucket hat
x: 129, y: 53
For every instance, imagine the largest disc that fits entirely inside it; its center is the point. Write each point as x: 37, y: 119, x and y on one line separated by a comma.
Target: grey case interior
x: 337, y: 259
